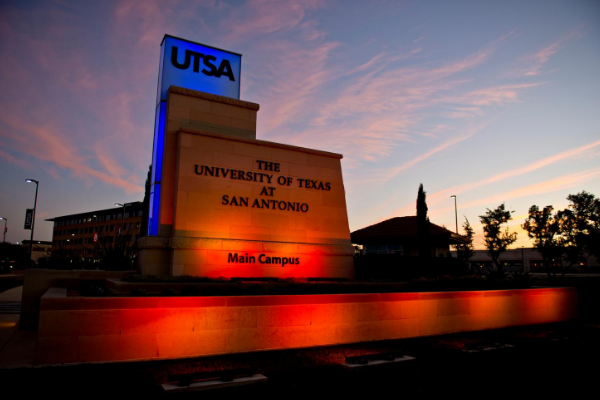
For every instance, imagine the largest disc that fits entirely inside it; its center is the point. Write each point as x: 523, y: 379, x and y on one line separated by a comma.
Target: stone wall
x: 37, y: 281
x: 231, y: 204
x: 129, y: 328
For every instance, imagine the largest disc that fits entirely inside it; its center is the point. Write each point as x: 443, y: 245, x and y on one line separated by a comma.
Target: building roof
x: 135, y: 205
x: 399, y: 229
x: 41, y: 242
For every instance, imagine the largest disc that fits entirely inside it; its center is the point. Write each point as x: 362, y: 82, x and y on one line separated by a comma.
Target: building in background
x: 79, y: 234
x: 525, y: 259
x: 399, y: 236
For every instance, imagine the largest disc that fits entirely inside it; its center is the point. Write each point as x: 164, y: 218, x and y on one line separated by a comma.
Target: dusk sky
x: 491, y: 101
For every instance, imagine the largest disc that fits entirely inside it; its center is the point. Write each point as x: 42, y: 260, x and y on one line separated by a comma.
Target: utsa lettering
x: 224, y: 66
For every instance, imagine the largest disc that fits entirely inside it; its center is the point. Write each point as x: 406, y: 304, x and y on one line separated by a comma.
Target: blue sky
x: 492, y: 101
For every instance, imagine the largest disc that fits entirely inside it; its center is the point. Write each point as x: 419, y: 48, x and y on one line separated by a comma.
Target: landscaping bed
x: 141, y: 285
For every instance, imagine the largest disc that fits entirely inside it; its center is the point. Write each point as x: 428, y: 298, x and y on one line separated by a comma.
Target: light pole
x: 37, y: 184
x: 455, y: 213
x: 5, y: 221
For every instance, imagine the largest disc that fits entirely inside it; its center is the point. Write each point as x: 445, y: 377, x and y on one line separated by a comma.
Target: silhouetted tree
x: 496, y: 240
x: 146, y: 204
x: 573, y: 253
x: 465, y: 252
x: 423, y: 225
x: 60, y: 258
x: 584, y: 220
x: 116, y: 253
x: 543, y: 226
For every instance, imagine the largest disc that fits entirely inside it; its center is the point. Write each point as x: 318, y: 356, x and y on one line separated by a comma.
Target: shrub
x: 169, y: 292
x: 255, y: 290
x: 191, y: 291
x: 395, y: 267
x: 521, y: 279
x: 91, y: 290
x: 170, y: 279
x: 138, y: 292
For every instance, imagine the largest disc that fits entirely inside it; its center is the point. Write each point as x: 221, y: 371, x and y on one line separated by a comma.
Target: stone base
x: 88, y: 329
x: 243, y: 258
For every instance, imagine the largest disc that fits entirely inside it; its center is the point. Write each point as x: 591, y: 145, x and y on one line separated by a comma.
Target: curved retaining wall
x: 76, y: 329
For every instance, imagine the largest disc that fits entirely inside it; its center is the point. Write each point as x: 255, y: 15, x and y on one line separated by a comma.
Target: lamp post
x: 5, y: 221
x: 455, y: 213
x: 37, y: 183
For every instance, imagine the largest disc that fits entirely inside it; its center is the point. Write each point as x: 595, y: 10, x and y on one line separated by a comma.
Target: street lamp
x: 5, y: 221
x: 455, y: 213
x: 33, y: 219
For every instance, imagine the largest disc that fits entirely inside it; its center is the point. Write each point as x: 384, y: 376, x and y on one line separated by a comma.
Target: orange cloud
x: 444, y: 194
x: 545, y: 187
x: 552, y: 185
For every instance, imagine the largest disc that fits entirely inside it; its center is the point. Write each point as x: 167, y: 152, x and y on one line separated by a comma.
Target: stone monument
x: 225, y: 204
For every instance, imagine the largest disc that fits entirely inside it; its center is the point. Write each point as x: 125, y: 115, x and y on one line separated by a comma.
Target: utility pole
x: 455, y: 213
x: 5, y: 221
x: 37, y: 183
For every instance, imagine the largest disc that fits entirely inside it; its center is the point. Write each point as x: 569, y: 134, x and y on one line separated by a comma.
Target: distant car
x: 7, y: 268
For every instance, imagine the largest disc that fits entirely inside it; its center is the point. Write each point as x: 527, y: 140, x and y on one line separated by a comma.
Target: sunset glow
x: 491, y: 102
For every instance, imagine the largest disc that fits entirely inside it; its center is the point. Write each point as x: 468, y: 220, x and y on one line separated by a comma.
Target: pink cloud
x: 579, y: 151
x: 96, y: 111
x: 263, y: 17
x: 487, y: 97
x: 534, y: 63
x: 385, y: 101
x: 15, y: 160
x: 293, y: 82
x: 47, y: 143
x: 445, y: 145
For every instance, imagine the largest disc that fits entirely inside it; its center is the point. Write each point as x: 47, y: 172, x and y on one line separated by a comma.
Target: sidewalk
x: 13, y: 294
x: 17, y: 348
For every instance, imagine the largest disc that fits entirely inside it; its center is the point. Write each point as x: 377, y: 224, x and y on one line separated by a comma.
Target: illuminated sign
x: 192, y: 66
x: 198, y: 67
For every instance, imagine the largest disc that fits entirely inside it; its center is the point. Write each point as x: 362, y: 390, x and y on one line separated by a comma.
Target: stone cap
x: 214, y: 97
x: 264, y: 143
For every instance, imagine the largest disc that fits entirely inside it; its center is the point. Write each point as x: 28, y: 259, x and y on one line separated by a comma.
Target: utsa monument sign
x: 224, y: 204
